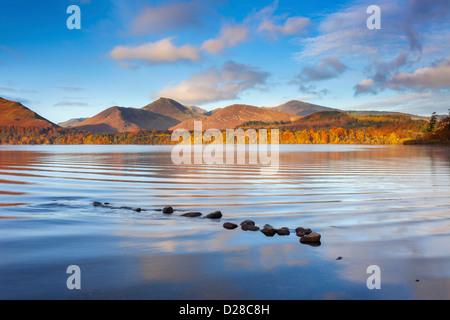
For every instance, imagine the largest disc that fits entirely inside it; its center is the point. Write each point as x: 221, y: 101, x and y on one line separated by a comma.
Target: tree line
x: 386, y: 134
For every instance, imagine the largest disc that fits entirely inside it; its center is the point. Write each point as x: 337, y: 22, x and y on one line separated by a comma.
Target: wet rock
x: 126, y: 208
x: 268, y: 230
x: 283, y: 231
x: 138, y: 210
x: 300, y: 234
x: 248, y: 223
x: 312, y: 237
x: 247, y: 227
x: 192, y: 214
x: 339, y: 258
x: 214, y: 215
x: 167, y: 210
x: 301, y: 230
x: 97, y: 204
x: 229, y: 225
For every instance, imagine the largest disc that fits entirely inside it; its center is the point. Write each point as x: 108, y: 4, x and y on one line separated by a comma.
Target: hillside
x: 120, y: 119
x: 384, y: 113
x: 338, y: 119
x: 196, y: 109
x: 70, y: 123
x: 173, y: 109
x: 234, y: 115
x: 14, y: 114
x: 301, y: 108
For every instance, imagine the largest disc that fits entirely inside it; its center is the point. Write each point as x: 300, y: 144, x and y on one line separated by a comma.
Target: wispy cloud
x: 70, y: 104
x: 420, y: 103
x: 327, y: 68
x: 266, y: 22
x: 7, y: 89
x: 168, y: 17
x: 216, y: 84
x: 71, y: 89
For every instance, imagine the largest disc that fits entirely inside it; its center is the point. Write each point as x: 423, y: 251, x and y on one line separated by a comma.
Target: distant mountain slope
x: 342, y: 119
x: 171, y: 108
x: 14, y: 114
x: 210, y: 113
x: 383, y: 113
x: 120, y: 119
x: 70, y: 123
x: 196, y: 109
x: 234, y: 115
x: 301, y: 108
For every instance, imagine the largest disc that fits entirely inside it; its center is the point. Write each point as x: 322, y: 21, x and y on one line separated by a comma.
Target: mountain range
x: 168, y: 114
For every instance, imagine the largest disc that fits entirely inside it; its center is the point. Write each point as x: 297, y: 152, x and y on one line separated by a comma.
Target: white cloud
x: 365, y: 86
x: 162, y: 51
x: 435, y: 77
x: 230, y: 36
x: 216, y: 84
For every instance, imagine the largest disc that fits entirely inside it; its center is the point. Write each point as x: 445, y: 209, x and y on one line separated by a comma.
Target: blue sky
x: 214, y: 53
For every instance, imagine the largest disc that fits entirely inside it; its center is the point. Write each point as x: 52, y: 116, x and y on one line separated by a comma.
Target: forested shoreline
x: 317, y: 129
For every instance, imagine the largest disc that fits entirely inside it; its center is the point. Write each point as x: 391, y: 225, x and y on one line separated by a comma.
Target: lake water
x: 387, y: 206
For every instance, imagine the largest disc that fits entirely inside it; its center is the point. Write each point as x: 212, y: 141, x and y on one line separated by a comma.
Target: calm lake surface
x: 373, y: 205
